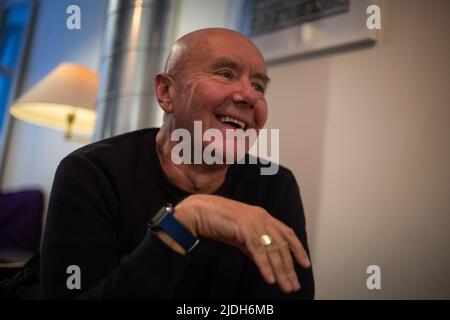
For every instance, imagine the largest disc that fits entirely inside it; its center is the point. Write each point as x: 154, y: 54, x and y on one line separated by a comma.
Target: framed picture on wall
x: 295, y: 28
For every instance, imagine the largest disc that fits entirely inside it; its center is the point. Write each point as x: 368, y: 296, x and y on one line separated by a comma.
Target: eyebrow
x: 228, y: 63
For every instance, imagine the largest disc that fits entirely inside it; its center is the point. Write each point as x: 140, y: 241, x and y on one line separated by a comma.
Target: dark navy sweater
x: 102, y: 197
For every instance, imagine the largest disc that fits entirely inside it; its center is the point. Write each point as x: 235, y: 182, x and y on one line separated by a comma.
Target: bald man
x: 127, y: 221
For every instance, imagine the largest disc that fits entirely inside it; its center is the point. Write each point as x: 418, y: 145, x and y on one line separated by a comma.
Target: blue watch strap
x: 166, y: 221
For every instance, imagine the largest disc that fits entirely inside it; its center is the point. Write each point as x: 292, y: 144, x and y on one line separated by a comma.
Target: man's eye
x: 258, y: 87
x: 225, y: 74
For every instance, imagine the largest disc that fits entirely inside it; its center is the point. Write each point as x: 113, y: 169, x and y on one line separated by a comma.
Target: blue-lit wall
x: 12, y: 35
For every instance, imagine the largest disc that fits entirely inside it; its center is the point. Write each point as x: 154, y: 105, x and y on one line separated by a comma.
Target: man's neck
x: 194, y: 178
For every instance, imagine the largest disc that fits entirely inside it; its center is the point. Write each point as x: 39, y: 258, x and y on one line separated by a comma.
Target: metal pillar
x: 135, y: 38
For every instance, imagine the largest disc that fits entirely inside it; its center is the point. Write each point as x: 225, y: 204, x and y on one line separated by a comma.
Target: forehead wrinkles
x: 239, y: 49
x: 197, y: 54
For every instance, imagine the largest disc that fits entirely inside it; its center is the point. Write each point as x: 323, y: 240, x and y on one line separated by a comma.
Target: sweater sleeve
x: 81, y: 231
x: 290, y: 212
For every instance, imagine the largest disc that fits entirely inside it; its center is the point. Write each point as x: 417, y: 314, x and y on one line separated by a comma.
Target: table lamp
x: 63, y: 100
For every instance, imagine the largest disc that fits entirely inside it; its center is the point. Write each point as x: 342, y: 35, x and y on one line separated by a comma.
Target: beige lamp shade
x: 63, y: 100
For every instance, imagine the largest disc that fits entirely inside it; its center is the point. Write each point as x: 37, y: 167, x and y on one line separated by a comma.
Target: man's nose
x: 245, y: 94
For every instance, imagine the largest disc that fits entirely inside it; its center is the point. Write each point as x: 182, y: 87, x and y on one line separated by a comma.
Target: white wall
x: 199, y: 14
x: 367, y: 134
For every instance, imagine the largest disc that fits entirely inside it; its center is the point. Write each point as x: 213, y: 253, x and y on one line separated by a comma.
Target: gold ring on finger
x: 265, y: 240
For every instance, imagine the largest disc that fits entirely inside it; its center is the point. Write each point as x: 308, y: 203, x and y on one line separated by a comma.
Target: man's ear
x: 163, y: 86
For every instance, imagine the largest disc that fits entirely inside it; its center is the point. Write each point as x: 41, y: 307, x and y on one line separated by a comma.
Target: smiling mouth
x: 238, y: 124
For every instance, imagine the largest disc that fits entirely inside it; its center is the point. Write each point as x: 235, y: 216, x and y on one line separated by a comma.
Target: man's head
x: 212, y: 74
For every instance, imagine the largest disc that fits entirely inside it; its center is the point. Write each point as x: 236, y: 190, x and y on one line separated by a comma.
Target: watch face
x: 160, y: 214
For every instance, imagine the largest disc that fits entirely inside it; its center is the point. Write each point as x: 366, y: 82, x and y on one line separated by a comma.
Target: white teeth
x: 241, y: 124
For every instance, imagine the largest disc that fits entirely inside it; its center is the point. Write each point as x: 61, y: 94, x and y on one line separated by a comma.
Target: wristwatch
x: 165, y: 220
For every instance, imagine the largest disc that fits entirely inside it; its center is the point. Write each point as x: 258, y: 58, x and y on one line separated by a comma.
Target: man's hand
x: 242, y: 225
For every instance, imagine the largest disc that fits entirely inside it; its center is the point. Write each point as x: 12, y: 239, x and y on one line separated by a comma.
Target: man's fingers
x: 269, y: 244
x: 285, y: 254
x: 270, y: 262
x: 262, y: 262
x: 299, y: 252
x: 295, y: 245
x: 278, y: 266
x: 281, y: 260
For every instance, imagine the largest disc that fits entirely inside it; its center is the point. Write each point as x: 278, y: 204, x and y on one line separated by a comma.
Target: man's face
x: 223, y: 80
